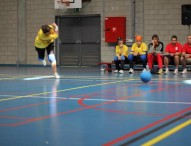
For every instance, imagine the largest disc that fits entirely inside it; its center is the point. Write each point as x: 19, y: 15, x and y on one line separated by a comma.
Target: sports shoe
x: 167, y: 71
x: 160, y: 71
x: 44, y: 62
x: 131, y: 71
x: 121, y: 71
x: 176, y: 71
x: 184, y: 71
x: 56, y: 75
x: 116, y: 71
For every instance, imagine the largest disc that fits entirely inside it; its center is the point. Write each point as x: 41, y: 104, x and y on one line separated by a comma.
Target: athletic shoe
x: 121, y: 71
x: 160, y: 71
x: 131, y: 71
x: 167, y: 71
x: 116, y: 71
x: 176, y: 71
x: 184, y: 71
x: 56, y: 75
x: 44, y: 62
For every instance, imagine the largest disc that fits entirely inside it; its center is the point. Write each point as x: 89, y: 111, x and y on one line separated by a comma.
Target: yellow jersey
x: 141, y: 50
x: 42, y: 40
x: 121, y: 51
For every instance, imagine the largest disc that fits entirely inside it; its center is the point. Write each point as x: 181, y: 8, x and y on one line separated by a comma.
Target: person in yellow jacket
x: 45, y: 41
x: 138, y: 51
x: 121, y: 56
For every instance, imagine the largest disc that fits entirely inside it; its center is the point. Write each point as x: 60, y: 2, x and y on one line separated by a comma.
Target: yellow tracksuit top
x: 42, y: 40
x: 141, y: 50
x: 121, y: 51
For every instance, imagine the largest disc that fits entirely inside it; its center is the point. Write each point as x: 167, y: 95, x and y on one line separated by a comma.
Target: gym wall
x: 21, y: 20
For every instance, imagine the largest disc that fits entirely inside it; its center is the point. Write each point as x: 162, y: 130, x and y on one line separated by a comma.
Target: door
x: 79, y: 40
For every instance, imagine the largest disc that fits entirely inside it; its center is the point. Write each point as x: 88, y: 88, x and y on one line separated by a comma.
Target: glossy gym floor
x: 89, y: 107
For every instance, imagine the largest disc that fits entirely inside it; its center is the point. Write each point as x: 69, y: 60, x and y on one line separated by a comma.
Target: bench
x: 108, y: 65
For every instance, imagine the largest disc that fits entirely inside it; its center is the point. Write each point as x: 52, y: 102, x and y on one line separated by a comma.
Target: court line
x: 25, y: 106
x: 167, y: 134
x: 76, y: 88
x: 96, y: 99
x: 117, y: 140
x: 58, y: 99
x: 56, y: 114
x: 78, y: 77
x: 160, y: 127
x: 12, y: 117
x: 37, y: 78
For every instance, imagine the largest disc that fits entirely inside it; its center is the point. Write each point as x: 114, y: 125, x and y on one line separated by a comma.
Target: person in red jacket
x: 154, y: 54
x: 172, y: 52
x: 186, y: 54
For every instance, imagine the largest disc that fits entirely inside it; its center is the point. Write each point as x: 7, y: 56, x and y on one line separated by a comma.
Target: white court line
x: 136, y: 101
x: 93, y: 99
x: 37, y: 78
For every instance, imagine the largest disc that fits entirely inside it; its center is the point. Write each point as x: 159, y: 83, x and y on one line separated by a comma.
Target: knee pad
x: 51, y: 58
x: 115, y: 58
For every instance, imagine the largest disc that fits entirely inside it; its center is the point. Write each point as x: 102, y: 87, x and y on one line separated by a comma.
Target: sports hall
x: 86, y: 103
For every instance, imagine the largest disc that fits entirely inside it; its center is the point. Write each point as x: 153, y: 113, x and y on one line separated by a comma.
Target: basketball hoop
x: 64, y: 3
x: 67, y: 3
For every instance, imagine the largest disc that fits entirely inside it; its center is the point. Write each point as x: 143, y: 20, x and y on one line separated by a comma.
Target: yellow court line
x: 37, y: 94
x: 167, y: 134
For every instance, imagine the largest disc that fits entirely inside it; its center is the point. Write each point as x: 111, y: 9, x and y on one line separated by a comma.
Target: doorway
x: 79, y: 40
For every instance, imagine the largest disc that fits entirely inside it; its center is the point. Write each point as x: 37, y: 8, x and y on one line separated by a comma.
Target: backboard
x: 60, y: 4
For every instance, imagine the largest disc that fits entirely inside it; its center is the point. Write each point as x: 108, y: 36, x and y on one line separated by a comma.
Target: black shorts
x: 41, y: 51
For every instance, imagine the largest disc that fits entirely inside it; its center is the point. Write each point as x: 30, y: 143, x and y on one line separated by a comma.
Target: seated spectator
x: 186, y: 54
x: 172, y: 52
x: 155, y: 49
x: 138, y: 52
x: 121, y: 56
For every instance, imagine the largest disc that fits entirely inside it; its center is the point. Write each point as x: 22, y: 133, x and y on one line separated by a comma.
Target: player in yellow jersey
x: 138, y: 51
x: 121, y: 51
x: 45, y: 41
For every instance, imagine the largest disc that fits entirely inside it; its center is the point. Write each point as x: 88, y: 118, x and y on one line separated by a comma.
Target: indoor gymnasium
x: 95, y: 73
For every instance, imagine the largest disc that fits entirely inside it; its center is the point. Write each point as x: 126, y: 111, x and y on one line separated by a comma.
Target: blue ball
x: 145, y: 76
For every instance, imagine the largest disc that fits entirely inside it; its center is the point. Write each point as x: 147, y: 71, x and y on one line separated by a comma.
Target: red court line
x: 133, y: 113
x: 117, y: 140
x: 80, y: 101
x: 32, y: 105
x: 12, y: 117
x: 57, y: 114
x: 42, y: 103
x: 27, y: 106
x: 44, y: 117
x: 61, y: 113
